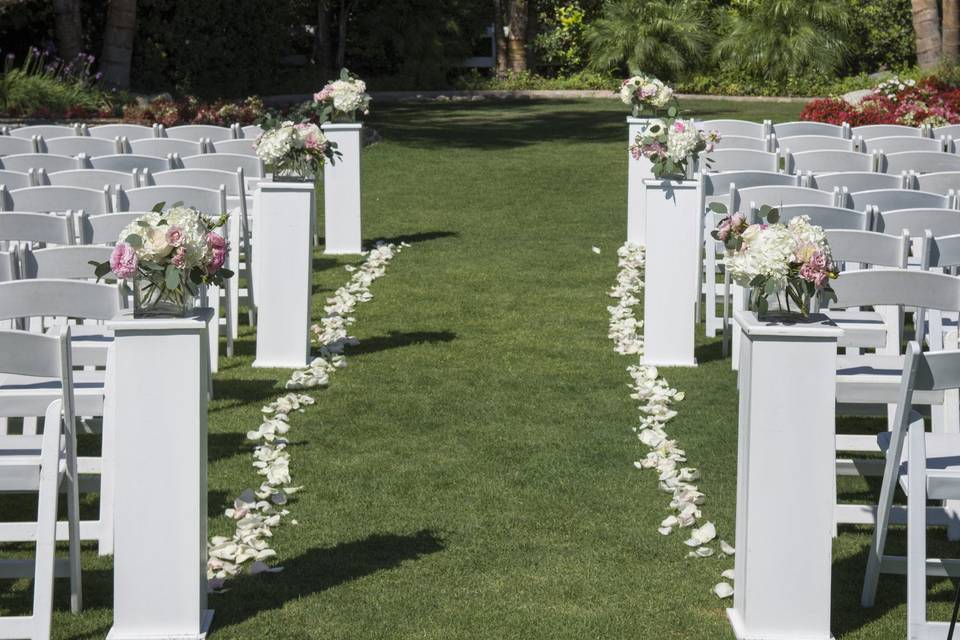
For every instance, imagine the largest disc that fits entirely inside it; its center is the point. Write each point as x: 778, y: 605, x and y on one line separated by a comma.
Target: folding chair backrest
x: 92, y: 178
x: 71, y: 263
x: 737, y: 128
x: 823, y: 216
x: 720, y: 183
x: 9, y: 265
x: 45, y: 130
x: 205, y: 178
x: 743, y: 142
x: 15, y: 179
x: 104, y: 229
x: 212, y: 202
x: 130, y: 131
x: 128, y: 162
x: 11, y: 146
x: 243, y: 146
x: 854, y: 181
x: 828, y: 161
x: 34, y: 354
x: 870, y: 131
x: 949, y: 130
x: 197, y: 132
x: 252, y: 165
x: 250, y: 131
x: 941, y: 222
x: 163, y: 146
x: 941, y: 182
x: 801, y: 144
x: 75, y: 145
x: 907, y: 287
x: 740, y: 160
x: 940, y: 251
x: 889, y: 199
x: 900, y: 144
x: 803, y: 128
x: 869, y: 247
x: 919, y: 162
x: 25, y: 226
x: 49, y: 297
x: 51, y: 198
x: 778, y: 196
x: 48, y: 161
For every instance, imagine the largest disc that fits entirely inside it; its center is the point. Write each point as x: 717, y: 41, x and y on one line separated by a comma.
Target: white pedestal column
x: 786, y: 479
x: 160, y: 515
x: 637, y: 171
x: 341, y: 190
x: 672, y: 283
x: 283, y: 273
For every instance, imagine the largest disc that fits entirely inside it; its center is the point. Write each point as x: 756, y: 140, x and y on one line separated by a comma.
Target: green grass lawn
x: 469, y: 474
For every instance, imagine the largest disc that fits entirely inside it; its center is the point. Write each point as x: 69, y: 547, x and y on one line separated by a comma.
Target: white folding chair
x: 238, y: 226
x: 252, y: 165
x: 738, y: 128
x: 51, y: 199
x: 941, y: 254
x: 243, y: 146
x: 926, y: 469
x: 204, y: 133
x: 25, y: 226
x: 163, y: 146
x: 92, y: 179
x: 942, y: 182
x: 130, y: 131
x: 24, y: 162
x: 740, y: 160
x: 853, y: 181
x: 901, y: 144
x: 829, y: 161
x: 15, y: 146
x: 46, y: 131
x: 825, y: 216
x: 16, y: 179
x: 130, y: 162
x: 58, y: 307
x: 948, y: 130
x: 252, y: 131
x: 104, y: 229
x: 42, y: 465
x: 803, y: 143
x: 75, y: 145
x: 871, y: 131
x: 805, y: 128
x: 889, y: 199
x: 919, y: 162
x: 744, y: 142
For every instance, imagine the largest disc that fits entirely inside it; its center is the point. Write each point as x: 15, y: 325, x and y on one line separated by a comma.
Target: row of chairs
x: 916, y: 160
x: 195, y: 132
x: 91, y: 146
x: 760, y: 130
x: 252, y: 165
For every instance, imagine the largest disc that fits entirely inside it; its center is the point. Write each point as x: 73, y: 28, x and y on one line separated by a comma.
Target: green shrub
x: 884, y: 35
x: 44, y: 87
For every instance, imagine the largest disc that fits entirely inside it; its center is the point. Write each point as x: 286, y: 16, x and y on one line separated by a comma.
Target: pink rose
x: 679, y: 127
x: 723, y: 231
x: 218, y: 257
x: 175, y: 235
x: 737, y: 220
x: 123, y: 260
x: 819, y: 261
x: 323, y: 94
x: 179, y: 258
x: 216, y: 241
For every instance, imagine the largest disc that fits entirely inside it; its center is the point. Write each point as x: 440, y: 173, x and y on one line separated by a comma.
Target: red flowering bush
x: 928, y: 102
x: 192, y: 111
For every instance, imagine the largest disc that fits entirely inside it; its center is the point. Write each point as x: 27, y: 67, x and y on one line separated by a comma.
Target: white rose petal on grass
x: 723, y: 590
x: 595, y: 250
x: 701, y: 552
x: 727, y: 575
x: 702, y: 535
x: 726, y: 548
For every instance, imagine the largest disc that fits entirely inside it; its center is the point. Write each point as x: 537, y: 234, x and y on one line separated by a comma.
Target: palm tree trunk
x: 517, y: 34
x: 499, y: 38
x: 926, y: 25
x: 951, y: 31
x: 118, y: 43
x: 69, y: 28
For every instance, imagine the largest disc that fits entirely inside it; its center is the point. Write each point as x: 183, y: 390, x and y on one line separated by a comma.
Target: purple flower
x: 123, y: 260
x: 217, y: 258
x: 216, y: 241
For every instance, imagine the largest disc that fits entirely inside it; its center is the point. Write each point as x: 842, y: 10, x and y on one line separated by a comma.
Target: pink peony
x: 679, y: 127
x: 323, y: 94
x: 123, y: 260
x: 179, y: 258
x: 723, y: 231
x: 175, y: 235
x: 217, y: 258
x: 216, y: 241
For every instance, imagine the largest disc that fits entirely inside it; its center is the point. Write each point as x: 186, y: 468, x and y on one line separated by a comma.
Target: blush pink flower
x: 323, y: 94
x: 217, y: 258
x: 123, y: 260
x: 179, y: 258
x: 679, y: 127
x: 175, y: 235
x: 216, y: 241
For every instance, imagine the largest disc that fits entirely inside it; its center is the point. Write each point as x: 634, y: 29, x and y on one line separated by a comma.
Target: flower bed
x: 928, y: 102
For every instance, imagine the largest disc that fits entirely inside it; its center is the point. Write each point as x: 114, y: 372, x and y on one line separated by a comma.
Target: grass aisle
x: 469, y: 474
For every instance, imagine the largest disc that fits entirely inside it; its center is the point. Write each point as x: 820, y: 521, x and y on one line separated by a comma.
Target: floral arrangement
x: 343, y: 99
x: 646, y: 93
x: 771, y: 258
x: 927, y: 102
x: 670, y: 145
x: 169, y: 254
x: 298, y: 149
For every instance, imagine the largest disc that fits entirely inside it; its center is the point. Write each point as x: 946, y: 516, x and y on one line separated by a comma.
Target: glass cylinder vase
x: 153, y: 300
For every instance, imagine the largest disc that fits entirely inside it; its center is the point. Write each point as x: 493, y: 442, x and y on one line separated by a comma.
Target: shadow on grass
x: 423, y: 236
x: 709, y: 352
x: 397, y: 339
x: 320, y: 569
x: 228, y: 394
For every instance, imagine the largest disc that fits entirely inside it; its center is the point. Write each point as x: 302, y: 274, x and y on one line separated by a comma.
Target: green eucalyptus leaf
x: 157, y: 208
x: 172, y: 277
x: 134, y: 241
x: 717, y: 207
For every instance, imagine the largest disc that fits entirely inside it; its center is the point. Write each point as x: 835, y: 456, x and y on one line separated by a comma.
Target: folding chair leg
x: 879, y: 540
x: 916, y: 536
x: 73, y: 520
x: 45, y: 550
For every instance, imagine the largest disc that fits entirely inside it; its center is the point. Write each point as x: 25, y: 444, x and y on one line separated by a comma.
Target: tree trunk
x: 346, y: 7
x: 499, y: 38
x: 118, y: 43
x: 517, y: 34
x: 926, y: 26
x: 322, y: 49
x: 69, y: 28
x: 951, y: 31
